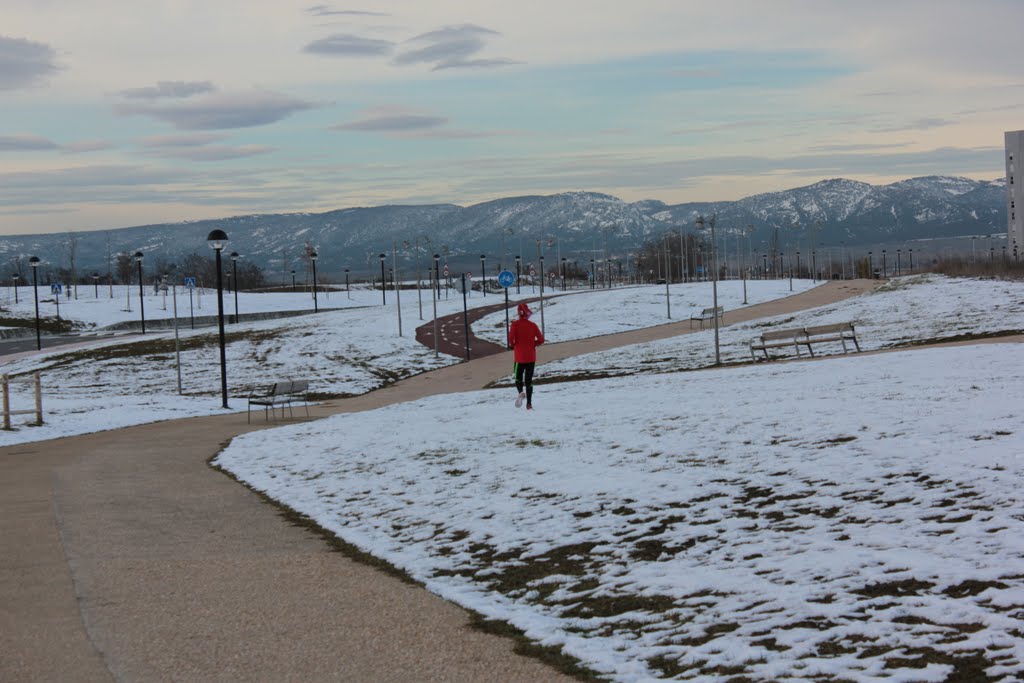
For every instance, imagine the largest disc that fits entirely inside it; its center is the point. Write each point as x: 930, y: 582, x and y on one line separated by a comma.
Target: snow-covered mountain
x: 571, y: 224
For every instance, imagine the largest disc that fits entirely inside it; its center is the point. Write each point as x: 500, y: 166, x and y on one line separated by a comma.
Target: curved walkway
x: 124, y: 556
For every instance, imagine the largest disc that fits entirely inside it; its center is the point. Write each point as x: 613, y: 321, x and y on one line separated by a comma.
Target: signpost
x: 465, y: 311
x: 506, y: 279
x: 190, y: 282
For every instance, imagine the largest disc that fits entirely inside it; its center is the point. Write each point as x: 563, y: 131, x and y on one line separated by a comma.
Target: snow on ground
x: 103, y: 306
x: 854, y: 519
x: 903, y: 311
x: 597, y: 312
x: 342, y: 352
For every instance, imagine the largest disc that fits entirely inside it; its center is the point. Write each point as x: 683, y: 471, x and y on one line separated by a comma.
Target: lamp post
x: 34, y: 262
x: 518, y: 260
x: 293, y: 280
x: 871, y: 266
x: 383, y: 282
x: 798, y: 263
x: 234, y: 278
x: 593, y: 274
x: 885, y: 269
x: 563, y: 273
x: 764, y: 266
x: 218, y: 239
x: 714, y: 280
x: 911, y: 260
x: 483, y: 273
x: 348, y: 292
x: 15, y: 277
x: 313, y: 256
x: 142, y: 308
x: 899, y: 265
x: 437, y: 278
x: 95, y: 285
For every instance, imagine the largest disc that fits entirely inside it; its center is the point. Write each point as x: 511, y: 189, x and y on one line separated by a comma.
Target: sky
x: 118, y: 113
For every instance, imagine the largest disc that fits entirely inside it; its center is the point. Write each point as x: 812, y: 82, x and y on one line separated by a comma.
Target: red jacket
x: 524, y: 337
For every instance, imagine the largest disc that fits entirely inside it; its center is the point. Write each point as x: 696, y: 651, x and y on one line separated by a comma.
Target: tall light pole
x: 95, y: 286
x: 15, y: 277
x: 234, y: 278
x: 483, y: 273
x: 142, y: 309
x: 714, y: 280
x: 34, y: 262
x: 437, y: 282
x: 293, y: 280
x: 518, y: 261
x: 348, y: 291
x: 312, y: 259
x: 563, y: 273
x: 218, y: 239
x: 383, y: 282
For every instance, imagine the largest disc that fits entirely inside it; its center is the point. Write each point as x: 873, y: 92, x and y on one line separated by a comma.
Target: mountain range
x: 576, y: 225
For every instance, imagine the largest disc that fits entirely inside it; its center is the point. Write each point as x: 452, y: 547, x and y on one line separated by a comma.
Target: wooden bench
x: 804, y: 336
x: 707, y: 314
x: 278, y: 395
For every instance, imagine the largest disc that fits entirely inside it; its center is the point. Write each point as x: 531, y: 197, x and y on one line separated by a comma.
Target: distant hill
x: 576, y: 223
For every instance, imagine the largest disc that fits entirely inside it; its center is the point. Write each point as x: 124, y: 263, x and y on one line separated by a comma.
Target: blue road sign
x: 55, y: 288
x: 190, y: 282
x: 506, y: 278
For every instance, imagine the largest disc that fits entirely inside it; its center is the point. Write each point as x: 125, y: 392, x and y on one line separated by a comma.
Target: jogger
x: 524, y: 337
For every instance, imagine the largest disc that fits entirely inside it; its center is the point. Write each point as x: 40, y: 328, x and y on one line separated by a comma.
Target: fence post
x: 39, y: 401
x: 7, y: 401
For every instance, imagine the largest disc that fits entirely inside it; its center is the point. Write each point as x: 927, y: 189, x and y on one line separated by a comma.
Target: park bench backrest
x: 836, y: 328
x: 300, y: 386
x: 776, y: 335
x: 281, y: 388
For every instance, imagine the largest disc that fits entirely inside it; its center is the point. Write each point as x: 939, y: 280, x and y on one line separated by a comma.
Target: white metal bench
x: 804, y: 336
x: 707, y: 314
x: 278, y: 395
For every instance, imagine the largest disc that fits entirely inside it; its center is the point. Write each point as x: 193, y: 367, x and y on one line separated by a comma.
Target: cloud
x: 214, y: 152
x: 24, y: 63
x: 25, y: 143
x: 451, y: 47
x: 391, y: 123
x: 696, y: 73
x: 326, y: 11
x: 191, y: 140
x: 918, y: 124
x: 85, y: 146
x: 223, y: 110
x: 173, y: 89
x: 347, y: 45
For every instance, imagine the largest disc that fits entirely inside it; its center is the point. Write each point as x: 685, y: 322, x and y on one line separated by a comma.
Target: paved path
x: 124, y: 556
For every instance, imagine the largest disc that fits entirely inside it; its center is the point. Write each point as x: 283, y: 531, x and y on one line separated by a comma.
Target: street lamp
x: 34, y: 262
x: 483, y: 273
x: 234, y: 278
x: 383, y: 282
x: 437, y: 274
x: 885, y: 270
x: 518, y: 260
x: 563, y: 273
x: 293, y: 280
x: 142, y: 309
x: 312, y: 259
x: 593, y: 274
x: 714, y: 280
x: 218, y: 239
x: 95, y: 286
x: 346, y: 282
x: 15, y: 277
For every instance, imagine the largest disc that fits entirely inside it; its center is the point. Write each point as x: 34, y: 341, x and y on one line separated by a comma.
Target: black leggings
x: 524, y: 372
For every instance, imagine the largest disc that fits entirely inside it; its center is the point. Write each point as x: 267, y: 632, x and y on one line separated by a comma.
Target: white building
x: 1014, y: 193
